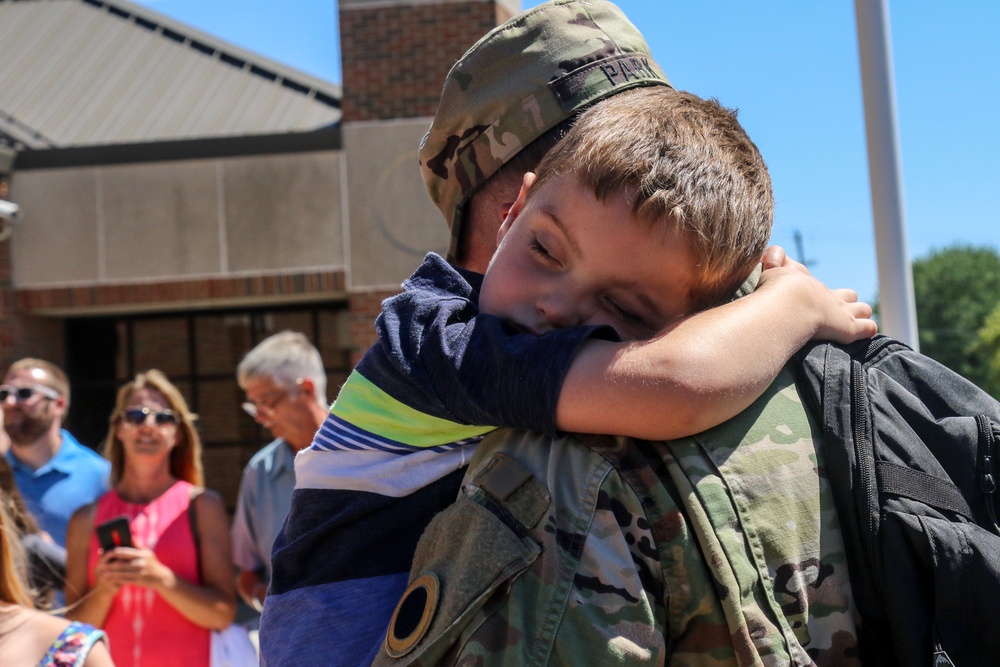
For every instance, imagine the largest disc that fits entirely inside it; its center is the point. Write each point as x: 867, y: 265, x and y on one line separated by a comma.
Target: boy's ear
x: 512, y: 210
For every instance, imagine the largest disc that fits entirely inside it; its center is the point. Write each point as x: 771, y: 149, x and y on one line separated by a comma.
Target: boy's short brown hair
x: 683, y: 161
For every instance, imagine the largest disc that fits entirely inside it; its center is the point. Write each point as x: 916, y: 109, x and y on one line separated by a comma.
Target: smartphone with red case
x: 114, y: 533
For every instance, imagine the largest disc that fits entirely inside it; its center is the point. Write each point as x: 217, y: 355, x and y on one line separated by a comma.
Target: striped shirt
x: 391, y: 455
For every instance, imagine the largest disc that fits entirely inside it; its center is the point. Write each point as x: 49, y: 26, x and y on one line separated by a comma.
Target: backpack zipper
x: 875, y: 345
x: 863, y: 453
x: 989, y: 435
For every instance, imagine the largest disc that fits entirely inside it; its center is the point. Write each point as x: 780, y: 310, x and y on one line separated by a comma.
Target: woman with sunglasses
x: 160, y: 597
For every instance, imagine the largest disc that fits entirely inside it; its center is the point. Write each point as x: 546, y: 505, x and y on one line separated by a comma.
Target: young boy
x: 654, y: 206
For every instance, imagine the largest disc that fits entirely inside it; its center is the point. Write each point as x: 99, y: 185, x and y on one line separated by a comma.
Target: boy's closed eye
x: 549, y: 245
x: 541, y: 250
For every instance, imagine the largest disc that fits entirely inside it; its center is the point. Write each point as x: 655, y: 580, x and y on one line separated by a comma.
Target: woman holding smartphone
x: 165, y: 579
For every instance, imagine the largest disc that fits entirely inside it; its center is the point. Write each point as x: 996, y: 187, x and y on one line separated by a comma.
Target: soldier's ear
x: 512, y: 210
x: 505, y: 210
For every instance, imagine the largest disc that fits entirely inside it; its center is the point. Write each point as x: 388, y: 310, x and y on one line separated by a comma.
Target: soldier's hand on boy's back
x: 837, y: 314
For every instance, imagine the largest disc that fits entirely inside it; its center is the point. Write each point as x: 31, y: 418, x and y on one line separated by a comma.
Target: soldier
x: 718, y: 549
x: 600, y: 550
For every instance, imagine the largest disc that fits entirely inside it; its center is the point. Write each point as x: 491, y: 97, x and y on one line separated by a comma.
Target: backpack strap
x: 193, y: 519
x: 927, y: 489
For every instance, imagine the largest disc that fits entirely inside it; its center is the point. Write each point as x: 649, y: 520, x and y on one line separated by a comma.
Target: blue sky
x: 792, y: 69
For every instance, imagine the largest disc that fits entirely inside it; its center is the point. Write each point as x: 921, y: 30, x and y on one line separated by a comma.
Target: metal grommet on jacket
x: 413, y: 615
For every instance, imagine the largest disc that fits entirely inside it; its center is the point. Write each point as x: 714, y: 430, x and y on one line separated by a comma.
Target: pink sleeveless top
x: 145, y: 631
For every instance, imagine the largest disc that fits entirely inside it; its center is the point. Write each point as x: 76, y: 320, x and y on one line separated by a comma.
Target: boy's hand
x: 775, y: 257
x: 837, y: 315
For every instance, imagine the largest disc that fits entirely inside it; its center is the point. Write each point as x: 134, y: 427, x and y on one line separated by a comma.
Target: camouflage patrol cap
x: 520, y: 80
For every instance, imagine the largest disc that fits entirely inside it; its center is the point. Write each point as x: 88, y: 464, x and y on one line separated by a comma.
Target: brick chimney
x: 395, y: 54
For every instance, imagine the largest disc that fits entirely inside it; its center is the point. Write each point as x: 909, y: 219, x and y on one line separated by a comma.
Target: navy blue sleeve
x: 340, y: 565
x: 439, y: 355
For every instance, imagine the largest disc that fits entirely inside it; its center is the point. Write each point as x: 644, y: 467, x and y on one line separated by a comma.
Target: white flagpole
x: 897, y: 311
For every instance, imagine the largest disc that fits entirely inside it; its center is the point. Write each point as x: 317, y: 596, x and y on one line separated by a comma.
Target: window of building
x: 199, y: 352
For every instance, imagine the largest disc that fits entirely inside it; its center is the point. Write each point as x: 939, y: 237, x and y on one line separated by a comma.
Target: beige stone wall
x: 392, y: 222
x: 232, y: 217
x: 178, y: 220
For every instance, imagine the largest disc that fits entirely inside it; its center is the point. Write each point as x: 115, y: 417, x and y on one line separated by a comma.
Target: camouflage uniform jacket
x: 719, y: 549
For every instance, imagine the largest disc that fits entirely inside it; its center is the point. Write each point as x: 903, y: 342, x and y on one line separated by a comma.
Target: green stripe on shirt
x: 366, y: 406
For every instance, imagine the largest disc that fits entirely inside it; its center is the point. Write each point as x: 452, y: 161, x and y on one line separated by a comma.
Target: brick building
x: 182, y: 198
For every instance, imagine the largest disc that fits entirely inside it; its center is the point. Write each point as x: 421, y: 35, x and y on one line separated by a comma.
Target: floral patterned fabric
x: 70, y: 649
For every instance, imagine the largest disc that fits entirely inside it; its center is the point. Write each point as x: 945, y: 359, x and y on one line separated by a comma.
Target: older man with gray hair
x: 285, y: 386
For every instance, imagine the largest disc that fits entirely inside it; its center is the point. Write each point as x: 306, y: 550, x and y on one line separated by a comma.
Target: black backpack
x: 910, y: 448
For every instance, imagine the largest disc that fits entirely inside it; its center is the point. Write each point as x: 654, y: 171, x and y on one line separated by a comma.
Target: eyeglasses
x: 253, y: 408
x: 22, y: 394
x: 137, y: 417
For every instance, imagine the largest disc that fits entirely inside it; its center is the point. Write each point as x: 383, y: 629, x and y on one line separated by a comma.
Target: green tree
x: 956, y: 289
x: 989, y: 346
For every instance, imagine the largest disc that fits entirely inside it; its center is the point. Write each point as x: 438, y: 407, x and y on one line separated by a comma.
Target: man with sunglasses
x: 54, y: 472
x: 285, y: 386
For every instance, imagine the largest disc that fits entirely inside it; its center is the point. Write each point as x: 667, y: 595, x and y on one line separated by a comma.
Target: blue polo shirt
x: 74, y: 477
x: 264, y: 498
